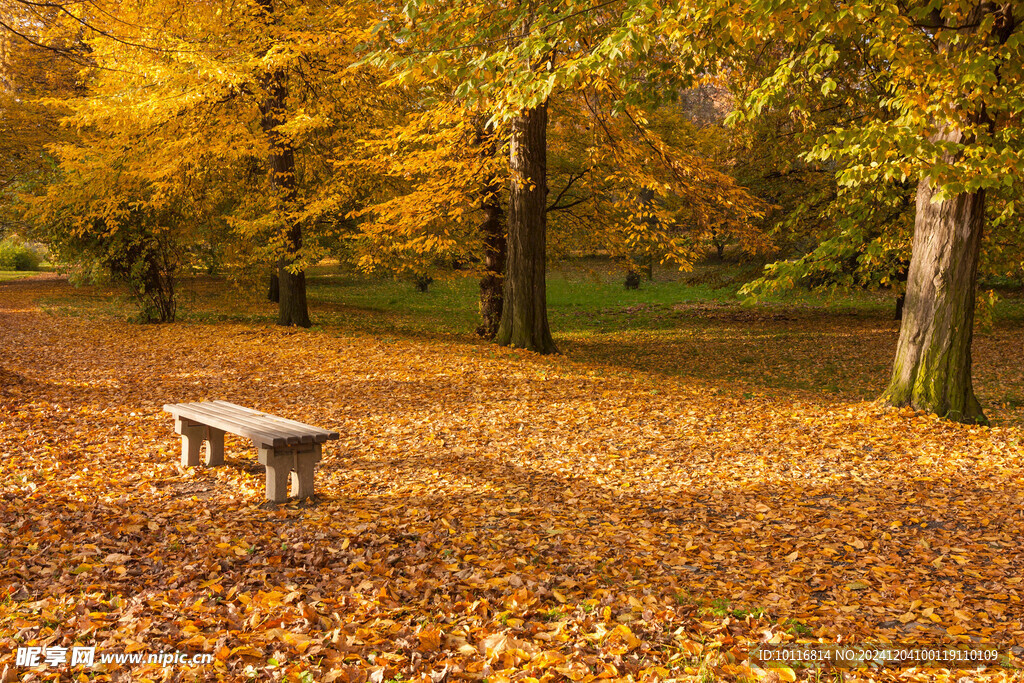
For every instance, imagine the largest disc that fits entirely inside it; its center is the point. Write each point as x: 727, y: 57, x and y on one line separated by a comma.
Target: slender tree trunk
x: 495, y: 253
x: 932, y: 369
x: 898, y: 313
x: 650, y: 220
x: 524, y: 316
x: 495, y: 248
x: 291, y: 302
x: 274, y: 289
x: 291, y: 307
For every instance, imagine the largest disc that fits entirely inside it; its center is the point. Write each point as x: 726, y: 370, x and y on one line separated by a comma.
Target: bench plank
x: 209, y: 411
x: 265, y: 436
x: 319, y: 435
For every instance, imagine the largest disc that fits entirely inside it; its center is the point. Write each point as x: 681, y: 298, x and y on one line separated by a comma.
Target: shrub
x: 15, y: 255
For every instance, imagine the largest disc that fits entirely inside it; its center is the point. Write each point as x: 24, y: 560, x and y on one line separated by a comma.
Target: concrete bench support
x: 296, y: 463
x: 287, y: 449
x: 192, y: 437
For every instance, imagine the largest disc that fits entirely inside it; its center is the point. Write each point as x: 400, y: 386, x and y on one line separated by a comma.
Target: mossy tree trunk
x: 524, y: 316
x: 932, y: 369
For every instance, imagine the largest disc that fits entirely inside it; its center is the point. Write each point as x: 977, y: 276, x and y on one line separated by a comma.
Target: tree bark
x: 291, y: 302
x: 524, y: 316
x: 932, y: 369
x: 274, y: 289
x: 292, y: 308
x: 495, y: 248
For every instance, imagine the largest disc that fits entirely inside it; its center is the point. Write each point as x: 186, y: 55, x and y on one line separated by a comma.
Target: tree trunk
x: 524, y: 316
x: 291, y: 306
x: 650, y: 220
x: 932, y: 369
x: 422, y: 282
x: 291, y: 302
x: 491, y: 285
x: 495, y: 250
x: 274, y: 289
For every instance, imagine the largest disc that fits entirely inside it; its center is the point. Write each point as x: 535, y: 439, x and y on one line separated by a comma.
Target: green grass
x: 584, y: 297
x: 8, y: 275
x: 688, y: 325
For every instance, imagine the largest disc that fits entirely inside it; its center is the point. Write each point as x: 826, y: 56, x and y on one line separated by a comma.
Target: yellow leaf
x: 430, y: 640
x: 785, y: 673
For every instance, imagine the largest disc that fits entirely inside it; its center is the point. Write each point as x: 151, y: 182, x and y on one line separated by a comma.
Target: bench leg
x: 214, y: 447
x: 302, y: 476
x: 191, y: 441
x: 278, y: 467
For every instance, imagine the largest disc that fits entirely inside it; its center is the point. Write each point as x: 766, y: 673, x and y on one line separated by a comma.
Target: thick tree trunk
x: 524, y: 316
x: 291, y: 302
x: 495, y: 251
x: 932, y: 369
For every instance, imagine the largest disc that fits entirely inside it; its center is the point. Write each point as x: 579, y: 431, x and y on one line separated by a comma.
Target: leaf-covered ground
x: 488, y: 513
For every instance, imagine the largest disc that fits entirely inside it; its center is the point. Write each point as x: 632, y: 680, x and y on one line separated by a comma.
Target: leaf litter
x: 487, y: 514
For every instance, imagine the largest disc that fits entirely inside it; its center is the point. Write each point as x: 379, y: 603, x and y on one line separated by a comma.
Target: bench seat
x: 285, y: 447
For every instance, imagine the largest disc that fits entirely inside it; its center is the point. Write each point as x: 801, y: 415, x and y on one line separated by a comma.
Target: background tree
x: 517, y: 61
x: 937, y: 104
x: 179, y: 98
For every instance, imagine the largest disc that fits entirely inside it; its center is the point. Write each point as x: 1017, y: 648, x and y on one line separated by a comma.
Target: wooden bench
x: 285, y: 446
